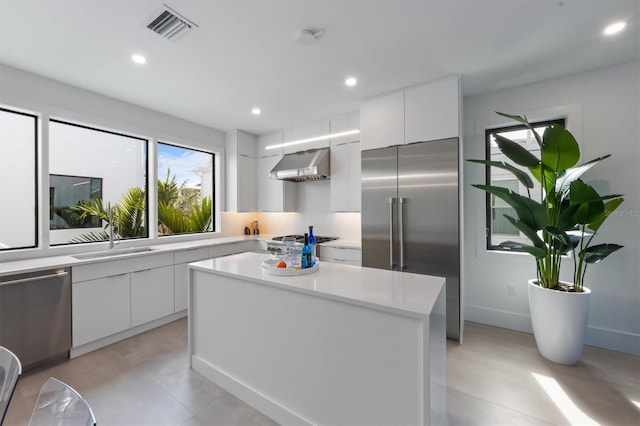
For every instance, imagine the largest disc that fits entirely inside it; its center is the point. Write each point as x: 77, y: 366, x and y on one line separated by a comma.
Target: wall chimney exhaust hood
x: 303, y: 166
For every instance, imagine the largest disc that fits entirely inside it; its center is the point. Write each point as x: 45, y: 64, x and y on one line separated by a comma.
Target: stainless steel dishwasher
x: 35, y: 316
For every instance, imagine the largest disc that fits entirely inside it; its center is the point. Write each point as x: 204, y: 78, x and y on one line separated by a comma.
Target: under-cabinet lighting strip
x: 317, y: 138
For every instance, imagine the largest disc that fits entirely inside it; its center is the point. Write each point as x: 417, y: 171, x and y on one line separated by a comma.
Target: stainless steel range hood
x: 303, y: 166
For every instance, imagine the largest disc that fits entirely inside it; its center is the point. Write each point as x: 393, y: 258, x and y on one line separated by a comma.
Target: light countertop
x: 397, y: 292
x: 65, y: 260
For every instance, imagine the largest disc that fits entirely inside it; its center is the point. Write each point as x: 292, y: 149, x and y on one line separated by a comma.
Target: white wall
x: 312, y: 208
x: 604, y: 115
x: 49, y: 98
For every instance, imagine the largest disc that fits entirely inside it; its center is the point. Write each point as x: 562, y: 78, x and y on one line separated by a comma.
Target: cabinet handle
x: 392, y: 264
x: 143, y: 270
x: 39, y: 277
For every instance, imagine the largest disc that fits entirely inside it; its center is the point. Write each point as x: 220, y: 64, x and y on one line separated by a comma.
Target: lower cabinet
x: 152, y: 294
x: 111, y: 297
x: 100, y: 308
x: 346, y: 255
x: 181, y: 274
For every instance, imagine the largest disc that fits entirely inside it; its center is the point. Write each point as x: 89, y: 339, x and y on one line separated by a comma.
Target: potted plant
x: 566, y: 220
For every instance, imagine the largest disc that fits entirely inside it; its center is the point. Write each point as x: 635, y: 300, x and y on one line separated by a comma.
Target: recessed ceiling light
x: 138, y: 59
x: 615, y: 28
x: 256, y: 111
x: 351, y: 81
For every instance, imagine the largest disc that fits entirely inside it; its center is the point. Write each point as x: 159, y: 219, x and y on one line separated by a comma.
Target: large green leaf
x: 537, y: 252
x: 566, y: 219
x: 201, y: 216
x: 522, y: 176
x: 516, y: 152
x: 598, y: 219
x: 595, y: 254
x: 529, y: 232
x: 522, y: 119
x: 559, y: 148
x: 590, y: 204
x: 532, y: 213
x: 572, y: 174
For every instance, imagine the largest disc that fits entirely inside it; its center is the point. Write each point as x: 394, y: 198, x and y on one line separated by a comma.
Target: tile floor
x: 145, y: 380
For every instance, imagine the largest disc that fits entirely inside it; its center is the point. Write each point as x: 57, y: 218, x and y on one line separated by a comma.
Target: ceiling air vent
x: 169, y: 24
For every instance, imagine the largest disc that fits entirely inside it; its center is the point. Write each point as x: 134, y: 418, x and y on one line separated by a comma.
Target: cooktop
x: 300, y: 238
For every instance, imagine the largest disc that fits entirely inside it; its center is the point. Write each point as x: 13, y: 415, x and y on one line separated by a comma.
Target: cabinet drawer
x: 339, y: 255
x: 108, y: 268
x: 191, y: 255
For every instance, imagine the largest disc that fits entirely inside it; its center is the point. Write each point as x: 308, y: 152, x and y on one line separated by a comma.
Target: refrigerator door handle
x: 392, y: 263
x: 401, y: 232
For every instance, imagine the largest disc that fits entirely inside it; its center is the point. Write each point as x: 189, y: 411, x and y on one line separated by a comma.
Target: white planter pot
x: 559, y: 321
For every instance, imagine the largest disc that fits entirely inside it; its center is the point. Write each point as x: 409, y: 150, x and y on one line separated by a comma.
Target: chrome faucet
x: 110, y: 215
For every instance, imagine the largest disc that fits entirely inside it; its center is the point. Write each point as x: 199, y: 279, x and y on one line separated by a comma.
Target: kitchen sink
x: 112, y: 253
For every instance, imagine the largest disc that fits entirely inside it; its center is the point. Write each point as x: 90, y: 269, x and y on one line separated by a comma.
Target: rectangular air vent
x: 169, y: 24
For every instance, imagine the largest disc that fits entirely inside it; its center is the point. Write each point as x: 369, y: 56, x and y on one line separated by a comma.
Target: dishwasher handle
x: 36, y: 278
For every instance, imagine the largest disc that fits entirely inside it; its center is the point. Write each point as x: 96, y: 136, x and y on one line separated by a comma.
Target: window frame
x: 36, y: 176
x: 143, y: 139
x: 214, y: 218
x: 488, y: 205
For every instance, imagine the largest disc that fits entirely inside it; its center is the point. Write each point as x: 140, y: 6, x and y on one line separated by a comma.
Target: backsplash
x: 312, y: 208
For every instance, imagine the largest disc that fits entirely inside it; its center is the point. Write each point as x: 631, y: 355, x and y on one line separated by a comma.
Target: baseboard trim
x: 596, y: 336
x: 106, y: 341
x: 247, y: 394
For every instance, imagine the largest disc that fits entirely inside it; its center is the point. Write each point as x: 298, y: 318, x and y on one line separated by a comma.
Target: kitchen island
x: 344, y: 345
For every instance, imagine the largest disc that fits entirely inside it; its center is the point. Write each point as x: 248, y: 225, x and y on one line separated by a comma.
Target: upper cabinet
x: 382, y: 121
x: 422, y: 113
x: 241, y: 163
x: 345, y: 166
x: 431, y: 111
x: 306, y: 132
x: 338, y: 125
x: 345, y: 177
x: 273, y: 195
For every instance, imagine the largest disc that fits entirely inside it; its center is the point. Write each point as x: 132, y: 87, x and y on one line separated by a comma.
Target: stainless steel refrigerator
x: 410, y: 216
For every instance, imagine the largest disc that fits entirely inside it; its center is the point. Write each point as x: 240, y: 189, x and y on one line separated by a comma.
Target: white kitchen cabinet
x: 240, y: 162
x: 307, y: 132
x: 101, y: 307
x: 345, y: 177
x: 262, y: 142
x: 273, y: 195
x: 431, y: 111
x: 181, y: 274
x: 382, y: 121
x: 345, y: 255
x: 152, y: 294
x: 422, y: 113
x: 233, y: 248
x: 343, y: 124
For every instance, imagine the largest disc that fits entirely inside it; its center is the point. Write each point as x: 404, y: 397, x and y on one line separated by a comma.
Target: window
x: 66, y: 192
x: 501, y: 235
x: 185, y: 190
x: 18, y: 180
x: 117, y: 164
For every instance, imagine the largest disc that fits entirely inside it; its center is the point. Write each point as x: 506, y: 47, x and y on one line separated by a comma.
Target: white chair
x: 59, y: 404
x: 10, y: 371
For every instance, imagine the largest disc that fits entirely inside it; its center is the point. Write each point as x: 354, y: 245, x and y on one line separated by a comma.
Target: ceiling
x: 245, y: 53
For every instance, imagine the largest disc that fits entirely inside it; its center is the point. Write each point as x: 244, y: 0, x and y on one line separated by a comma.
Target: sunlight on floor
x: 636, y: 403
x: 560, y: 398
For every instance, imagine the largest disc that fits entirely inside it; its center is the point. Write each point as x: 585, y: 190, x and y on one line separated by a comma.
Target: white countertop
x: 65, y: 260
x: 397, y: 292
